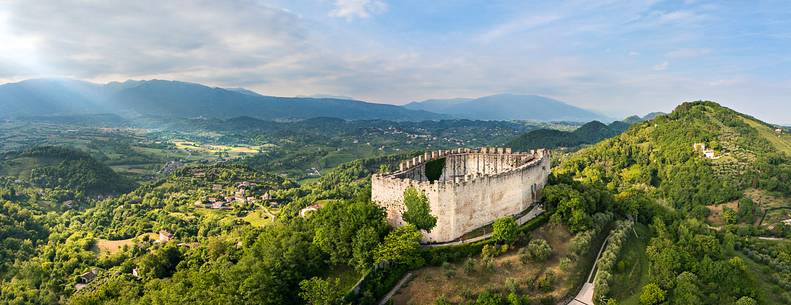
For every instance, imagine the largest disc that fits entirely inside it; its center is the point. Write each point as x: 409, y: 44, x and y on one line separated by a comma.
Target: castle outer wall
x: 476, y: 188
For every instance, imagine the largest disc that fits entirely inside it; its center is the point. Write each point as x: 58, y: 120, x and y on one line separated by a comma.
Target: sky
x: 616, y: 57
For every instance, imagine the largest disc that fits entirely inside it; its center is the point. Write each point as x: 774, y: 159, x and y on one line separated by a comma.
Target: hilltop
x: 60, y: 167
x: 508, y: 107
x: 160, y: 98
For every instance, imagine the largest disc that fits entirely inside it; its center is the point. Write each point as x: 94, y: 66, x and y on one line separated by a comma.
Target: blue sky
x: 616, y: 57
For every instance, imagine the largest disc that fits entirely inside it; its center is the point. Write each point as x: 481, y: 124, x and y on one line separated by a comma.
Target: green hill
x: 58, y: 167
x: 658, y: 155
x: 550, y: 138
x: 653, y: 174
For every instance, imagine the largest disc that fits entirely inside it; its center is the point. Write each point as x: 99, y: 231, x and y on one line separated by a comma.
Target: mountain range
x: 508, y: 107
x: 50, y: 97
x: 161, y: 98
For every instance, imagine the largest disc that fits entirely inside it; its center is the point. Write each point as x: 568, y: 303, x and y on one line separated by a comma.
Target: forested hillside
x: 589, y: 133
x: 653, y: 173
x: 59, y: 167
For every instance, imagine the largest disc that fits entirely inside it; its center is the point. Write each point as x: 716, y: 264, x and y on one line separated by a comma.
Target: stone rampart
x: 476, y: 187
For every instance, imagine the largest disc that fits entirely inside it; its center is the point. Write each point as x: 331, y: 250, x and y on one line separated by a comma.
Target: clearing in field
x: 715, y: 216
x: 110, y: 247
x: 458, y: 285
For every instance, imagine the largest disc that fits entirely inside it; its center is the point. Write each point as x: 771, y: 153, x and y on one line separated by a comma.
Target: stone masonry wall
x: 476, y: 188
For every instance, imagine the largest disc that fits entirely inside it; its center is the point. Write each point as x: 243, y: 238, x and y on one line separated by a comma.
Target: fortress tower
x: 467, y: 189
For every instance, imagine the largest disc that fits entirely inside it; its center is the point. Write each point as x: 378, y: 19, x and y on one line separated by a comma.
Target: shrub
x: 469, y: 265
x: 565, y: 263
x: 538, y: 250
x: 546, y: 281
x: 489, y: 265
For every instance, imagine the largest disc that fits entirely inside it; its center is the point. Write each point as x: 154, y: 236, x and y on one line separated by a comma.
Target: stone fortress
x: 476, y: 186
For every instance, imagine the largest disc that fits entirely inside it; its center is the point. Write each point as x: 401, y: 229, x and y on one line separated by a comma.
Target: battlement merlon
x: 527, y: 158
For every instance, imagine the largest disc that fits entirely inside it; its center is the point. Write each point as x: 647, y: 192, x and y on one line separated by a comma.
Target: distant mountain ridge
x: 589, y: 133
x: 508, y: 107
x: 43, y: 97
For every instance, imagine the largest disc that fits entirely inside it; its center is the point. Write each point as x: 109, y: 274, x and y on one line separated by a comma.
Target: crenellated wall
x: 476, y: 188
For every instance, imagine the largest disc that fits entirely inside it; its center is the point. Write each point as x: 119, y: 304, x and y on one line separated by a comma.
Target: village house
x: 89, y: 276
x: 708, y: 153
x: 86, y: 278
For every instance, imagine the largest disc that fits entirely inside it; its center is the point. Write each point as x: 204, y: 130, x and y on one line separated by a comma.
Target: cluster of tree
x: 21, y: 232
x: 342, y: 182
x: 574, y: 203
x: 695, y: 265
x: 777, y: 256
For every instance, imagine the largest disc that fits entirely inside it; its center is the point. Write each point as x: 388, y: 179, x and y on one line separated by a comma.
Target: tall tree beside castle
x: 418, y: 211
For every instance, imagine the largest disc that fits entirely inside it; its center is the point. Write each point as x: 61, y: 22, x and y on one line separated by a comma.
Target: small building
x: 778, y: 131
x: 165, y: 236
x: 707, y: 152
x: 69, y: 204
x: 216, y: 187
x: 89, y: 276
x: 136, y: 273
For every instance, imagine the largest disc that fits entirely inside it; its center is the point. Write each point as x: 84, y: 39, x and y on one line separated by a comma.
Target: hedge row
x: 615, y: 242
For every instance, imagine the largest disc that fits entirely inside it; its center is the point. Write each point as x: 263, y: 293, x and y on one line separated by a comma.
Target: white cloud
x: 661, y: 66
x: 362, y: 9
